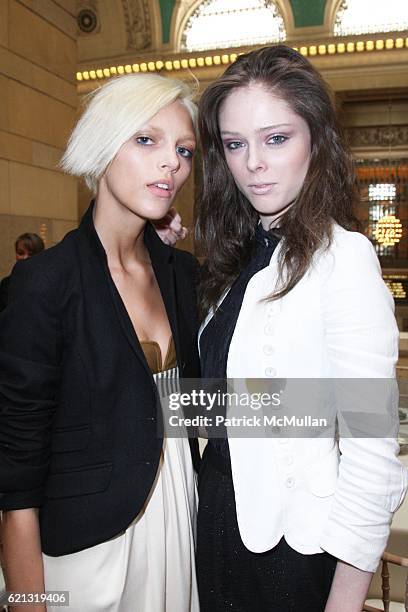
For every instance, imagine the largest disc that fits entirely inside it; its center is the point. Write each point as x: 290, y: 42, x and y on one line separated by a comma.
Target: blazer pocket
x: 321, y: 476
x: 68, y: 439
x: 81, y: 481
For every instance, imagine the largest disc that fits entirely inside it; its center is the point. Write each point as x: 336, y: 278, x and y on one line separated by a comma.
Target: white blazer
x: 321, y: 495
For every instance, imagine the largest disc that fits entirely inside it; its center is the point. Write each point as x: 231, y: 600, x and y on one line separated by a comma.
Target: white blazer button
x: 270, y: 372
x: 289, y: 460
x: 269, y: 329
x: 290, y: 482
x: 268, y: 349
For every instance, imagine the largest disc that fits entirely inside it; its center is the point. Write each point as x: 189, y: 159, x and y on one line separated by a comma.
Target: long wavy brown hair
x: 227, y: 220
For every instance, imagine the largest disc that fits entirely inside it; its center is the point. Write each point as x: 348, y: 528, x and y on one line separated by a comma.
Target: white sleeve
x: 362, y: 342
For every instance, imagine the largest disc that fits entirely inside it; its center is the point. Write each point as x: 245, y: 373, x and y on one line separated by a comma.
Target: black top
x: 78, y: 403
x: 216, y: 337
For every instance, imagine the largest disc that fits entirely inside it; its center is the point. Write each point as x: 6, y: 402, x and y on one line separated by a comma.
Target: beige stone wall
x: 38, y: 100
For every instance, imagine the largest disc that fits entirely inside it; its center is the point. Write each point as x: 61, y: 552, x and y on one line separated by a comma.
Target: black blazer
x: 78, y: 418
x: 4, y: 289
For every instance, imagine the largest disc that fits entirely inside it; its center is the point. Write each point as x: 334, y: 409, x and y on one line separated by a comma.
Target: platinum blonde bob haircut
x: 113, y: 114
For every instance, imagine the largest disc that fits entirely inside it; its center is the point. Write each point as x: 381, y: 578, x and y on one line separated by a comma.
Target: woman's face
x: 152, y: 166
x: 267, y: 148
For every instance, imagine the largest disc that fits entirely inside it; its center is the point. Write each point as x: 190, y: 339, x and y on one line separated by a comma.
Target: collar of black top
x: 267, y: 238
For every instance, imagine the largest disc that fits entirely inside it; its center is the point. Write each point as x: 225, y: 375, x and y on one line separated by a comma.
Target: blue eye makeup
x: 277, y: 139
x: 184, y: 152
x: 144, y: 140
x: 234, y: 145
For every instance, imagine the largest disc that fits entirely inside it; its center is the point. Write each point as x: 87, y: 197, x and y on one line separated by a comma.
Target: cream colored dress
x: 151, y: 566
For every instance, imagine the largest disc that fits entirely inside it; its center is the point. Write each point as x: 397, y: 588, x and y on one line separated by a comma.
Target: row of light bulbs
x: 229, y: 58
x: 157, y: 66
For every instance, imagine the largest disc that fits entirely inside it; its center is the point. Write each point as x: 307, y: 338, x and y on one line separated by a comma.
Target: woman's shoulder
x: 342, y: 238
x: 49, y: 267
x: 186, y: 261
x: 349, y: 253
x: 348, y: 244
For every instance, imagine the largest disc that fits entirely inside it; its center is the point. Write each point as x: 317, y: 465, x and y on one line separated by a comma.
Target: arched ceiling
x: 133, y: 35
x: 124, y: 27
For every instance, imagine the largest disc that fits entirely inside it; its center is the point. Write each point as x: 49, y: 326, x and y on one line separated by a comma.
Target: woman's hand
x: 170, y: 228
x: 349, y: 589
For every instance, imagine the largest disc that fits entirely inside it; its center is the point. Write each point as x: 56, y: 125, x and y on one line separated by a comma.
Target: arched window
x: 369, y: 16
x: 217, y: 24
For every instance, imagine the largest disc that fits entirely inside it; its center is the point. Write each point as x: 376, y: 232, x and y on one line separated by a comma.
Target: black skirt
x: 230, y: 577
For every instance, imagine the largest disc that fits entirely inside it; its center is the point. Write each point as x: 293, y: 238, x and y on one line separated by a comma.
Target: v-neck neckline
x: 162, y: 362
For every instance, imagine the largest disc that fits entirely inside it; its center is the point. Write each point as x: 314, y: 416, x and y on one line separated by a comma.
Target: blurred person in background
x: 26, y: 246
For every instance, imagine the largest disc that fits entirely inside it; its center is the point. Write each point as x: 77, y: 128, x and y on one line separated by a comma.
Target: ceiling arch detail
x: 137, y: 23
x: 184, y: 9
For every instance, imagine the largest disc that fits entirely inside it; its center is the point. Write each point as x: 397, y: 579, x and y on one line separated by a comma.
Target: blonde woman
x: 95, y: 502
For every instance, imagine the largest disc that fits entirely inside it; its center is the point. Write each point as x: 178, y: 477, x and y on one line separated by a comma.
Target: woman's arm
x: 362, y: 346
x: 30, y: 356
x: 23, y: 566
x: 349, y: 589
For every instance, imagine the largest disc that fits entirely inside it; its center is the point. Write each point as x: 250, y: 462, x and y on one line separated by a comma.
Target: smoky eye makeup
x: 232, y: 145
x: 277, y: 139
x: 148, y: 131
x: 185, y: 151
x: 143, y: 139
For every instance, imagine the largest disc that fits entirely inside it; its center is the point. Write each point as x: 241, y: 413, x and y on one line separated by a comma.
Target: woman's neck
x: 273, y: 221
x: 121, y: 232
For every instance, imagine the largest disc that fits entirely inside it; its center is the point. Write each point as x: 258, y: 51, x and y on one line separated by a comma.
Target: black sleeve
x: 30, y: 355
x: 4, y: 289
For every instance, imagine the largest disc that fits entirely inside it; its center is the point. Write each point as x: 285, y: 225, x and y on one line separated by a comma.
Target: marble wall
x: 38, y: 101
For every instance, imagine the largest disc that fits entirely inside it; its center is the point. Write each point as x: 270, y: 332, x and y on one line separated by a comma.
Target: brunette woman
x: 94, y: 502
x: 288, y: 291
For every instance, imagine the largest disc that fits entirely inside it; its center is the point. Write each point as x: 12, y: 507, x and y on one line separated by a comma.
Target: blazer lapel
x: 163, y: 266
x: 210, y: 315
x: 94, y: 257
x: 162, y: 261
x: 164, y: 271
x: 126, y: 324
x: 272, y: 264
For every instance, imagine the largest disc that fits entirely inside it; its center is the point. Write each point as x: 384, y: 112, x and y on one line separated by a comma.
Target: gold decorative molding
x: 377, y: 136
x: 158, y: 66
x: 352, y: 46
x: 137, y: 23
